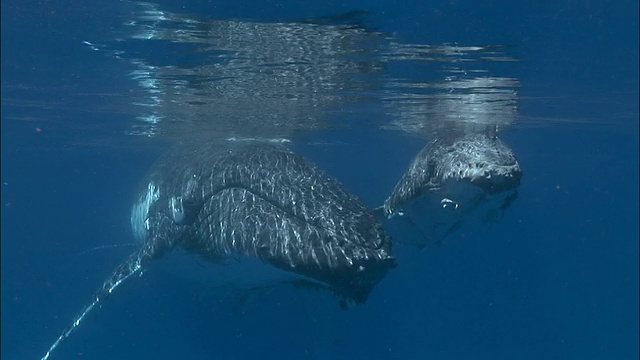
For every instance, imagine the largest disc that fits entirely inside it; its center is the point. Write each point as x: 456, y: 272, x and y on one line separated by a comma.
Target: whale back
x: 262, y: 200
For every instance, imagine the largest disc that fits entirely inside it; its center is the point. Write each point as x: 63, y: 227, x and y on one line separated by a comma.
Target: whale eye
x: 184, y: 210
x: 448, y: 204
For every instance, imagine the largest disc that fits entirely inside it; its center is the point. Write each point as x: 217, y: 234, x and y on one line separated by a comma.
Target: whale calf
x: 257, y: 200
x: 449, y: 182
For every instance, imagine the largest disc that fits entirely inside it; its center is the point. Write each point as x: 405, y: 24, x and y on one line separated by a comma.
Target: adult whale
x: 257, y: 200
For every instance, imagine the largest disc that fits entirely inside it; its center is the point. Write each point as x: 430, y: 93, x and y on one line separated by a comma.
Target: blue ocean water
x: 93, y: 92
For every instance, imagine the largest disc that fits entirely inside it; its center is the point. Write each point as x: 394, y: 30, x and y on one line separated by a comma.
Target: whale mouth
x: 433, y: 215
x: 498, y: 179
x: 483, y: 160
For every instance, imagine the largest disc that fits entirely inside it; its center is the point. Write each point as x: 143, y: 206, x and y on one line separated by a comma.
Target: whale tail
x: 135, y: 264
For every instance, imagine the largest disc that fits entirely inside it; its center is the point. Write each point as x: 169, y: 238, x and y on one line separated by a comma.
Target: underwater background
x: 94, y: 91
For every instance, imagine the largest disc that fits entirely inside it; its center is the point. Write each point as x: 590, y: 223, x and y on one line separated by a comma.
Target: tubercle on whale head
x: 501, y: 180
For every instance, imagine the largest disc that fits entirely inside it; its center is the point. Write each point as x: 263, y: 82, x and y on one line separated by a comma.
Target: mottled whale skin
x: 264, y: 201
x: 451, y: 180
x: 257, y: 200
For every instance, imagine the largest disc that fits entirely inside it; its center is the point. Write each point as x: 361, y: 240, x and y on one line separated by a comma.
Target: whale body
x: 263, y: 201
x: 256, y: 200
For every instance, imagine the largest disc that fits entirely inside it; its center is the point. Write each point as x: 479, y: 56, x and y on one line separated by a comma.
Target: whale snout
x: 498, y: 180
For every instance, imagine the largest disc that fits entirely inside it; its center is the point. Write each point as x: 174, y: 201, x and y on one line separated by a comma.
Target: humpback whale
x: 465, y: 172
x: 256, y: 200
x: 451, y: 180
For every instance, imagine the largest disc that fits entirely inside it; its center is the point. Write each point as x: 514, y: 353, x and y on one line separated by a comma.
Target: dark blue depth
x: 556, y: 278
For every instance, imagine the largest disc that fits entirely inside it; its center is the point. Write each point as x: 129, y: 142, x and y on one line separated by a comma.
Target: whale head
x: 451, y: 181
